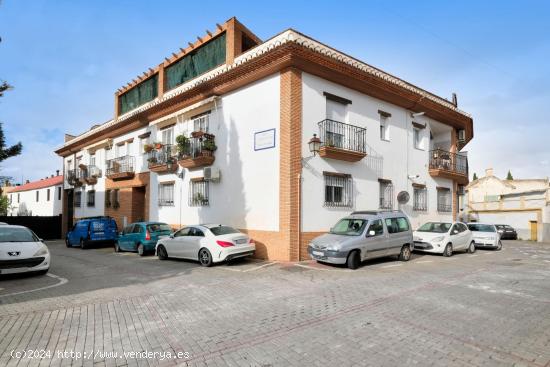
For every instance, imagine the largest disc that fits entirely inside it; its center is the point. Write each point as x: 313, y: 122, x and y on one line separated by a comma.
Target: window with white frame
x: 92, y: 159
x: 417, y: 138
x: 201, y: 122
x: 166, y: 194
x: 338, y: 190
x: 142, y: 142
x: 199, y: 192
x: 420, y: 198
x: 384, y: 125
x: 47, y: 194
x: 77, y: 199
x: 444, y: 200
x: 167, y: 135
x: 386, y: 194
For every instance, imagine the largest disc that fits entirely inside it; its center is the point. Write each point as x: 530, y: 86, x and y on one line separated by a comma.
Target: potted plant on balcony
x: 183, y: 145
x: 197, y: 134
x: 158, y: 145
x: 208, y: 147
x: 152, y: 160
x: 147, y: 148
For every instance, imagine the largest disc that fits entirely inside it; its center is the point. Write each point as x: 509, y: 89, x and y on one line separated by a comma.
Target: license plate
x: 241, y: 241
x: 317, y: 253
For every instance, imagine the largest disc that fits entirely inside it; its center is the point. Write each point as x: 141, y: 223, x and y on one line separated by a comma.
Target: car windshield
x: 14, y: 234
x: 159, y: 227
x: 481, y: 227
x: 221, y: 230
x: 349, y: 227
x: 435, y: 227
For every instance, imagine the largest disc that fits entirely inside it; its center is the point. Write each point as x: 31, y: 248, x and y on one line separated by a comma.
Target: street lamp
x: 314, y: 144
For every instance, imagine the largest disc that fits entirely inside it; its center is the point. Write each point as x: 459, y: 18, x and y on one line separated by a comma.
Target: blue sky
x: 67, y: 58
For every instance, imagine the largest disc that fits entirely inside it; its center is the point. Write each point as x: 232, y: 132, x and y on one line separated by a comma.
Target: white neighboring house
x: 523, y: 204
x: 39, y: 198
x: 263, y: 103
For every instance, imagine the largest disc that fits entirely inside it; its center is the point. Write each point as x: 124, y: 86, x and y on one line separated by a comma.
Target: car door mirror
x: 171, y: 235
x: 371, y: 234
x: 455, y: 231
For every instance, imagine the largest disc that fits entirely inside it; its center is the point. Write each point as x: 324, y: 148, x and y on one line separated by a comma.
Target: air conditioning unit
x: 461, y: 135
x: 211, y: 174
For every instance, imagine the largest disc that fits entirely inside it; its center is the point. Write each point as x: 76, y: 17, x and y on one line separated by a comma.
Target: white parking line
x: 60, y: 279
x: 449, y: 258
x: 473, y: 255
x: 391, y: 266
x: 260, y: 267
x: 423, y: 261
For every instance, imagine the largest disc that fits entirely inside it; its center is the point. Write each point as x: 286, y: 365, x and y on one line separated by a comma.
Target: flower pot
x: 158, y: 146
x: 206, y: 153
x: 197, y: 134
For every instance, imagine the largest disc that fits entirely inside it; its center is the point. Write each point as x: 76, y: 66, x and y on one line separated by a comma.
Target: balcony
x: 162, y: 160
x: 449, y: 165
x: 73, y: 177
x: 121, y: 168
x: 342, y: 141
x: 89, y: 174
x: 197, y: 152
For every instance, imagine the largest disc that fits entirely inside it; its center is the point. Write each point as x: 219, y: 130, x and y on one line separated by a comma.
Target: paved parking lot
x: 105, y: 309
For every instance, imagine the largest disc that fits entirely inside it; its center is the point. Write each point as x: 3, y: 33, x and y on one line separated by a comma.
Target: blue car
x: 141, y: 237
x: 88, y: 231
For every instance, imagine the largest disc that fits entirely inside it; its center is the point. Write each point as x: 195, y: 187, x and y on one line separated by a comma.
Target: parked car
x: 506, y: 232
x: 141, y: 237
x: 22, y: 251
x: 364, y: 235
x: 485, y: 235
x: 444, y: 238
x: 206, y: 243
x: 92, y: 230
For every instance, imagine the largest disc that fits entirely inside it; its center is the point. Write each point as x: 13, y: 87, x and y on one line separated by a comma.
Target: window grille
x: 198, y: 193
x: 166, y: 194
x: 77, y: 199
x: 444, y: 203
x: 420, y: 199
x: 386, y: 195
x: 90, y: 198
x: 338, y: 190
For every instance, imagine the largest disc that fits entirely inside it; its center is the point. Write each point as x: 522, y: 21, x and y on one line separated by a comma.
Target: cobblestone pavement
x: 98, y: 308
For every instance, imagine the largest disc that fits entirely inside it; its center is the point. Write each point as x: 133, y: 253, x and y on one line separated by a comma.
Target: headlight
x: 438, y: 239
x: 333, y: 247
x: 42, y: 251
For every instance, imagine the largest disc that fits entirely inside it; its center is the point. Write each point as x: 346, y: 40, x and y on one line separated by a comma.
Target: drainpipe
x: 300, y: 214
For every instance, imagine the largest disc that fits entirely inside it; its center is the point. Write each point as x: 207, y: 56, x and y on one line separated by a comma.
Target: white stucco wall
x: 42, y: 207
x: 396, y: 159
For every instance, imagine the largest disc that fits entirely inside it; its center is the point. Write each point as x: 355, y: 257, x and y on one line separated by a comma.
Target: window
x: 377, y: 227
x: 77, y: 199
x: 92, y: 159
x: 338, y: 190
x: 166, y: 194
x: 384, y: 128
x: 18, y: 197
x: 90, y: 198
x: 140, y: 94
x: 195, y: 232
x: 198, y: 192
x: 48, y: 195
x: 107, y: 198
x: 420, y: 199
x: 182, y: 232
x: 444, y: 200
x: 142, y: 143
x: 417, y: 137
x: 386, y: 194
x: 59, y: 193
x: 167, y: 136
x: 137, y: 229
x: 396, y: 225
x: 114, y: 199
x: 200, y: 123
x: 37, y: 195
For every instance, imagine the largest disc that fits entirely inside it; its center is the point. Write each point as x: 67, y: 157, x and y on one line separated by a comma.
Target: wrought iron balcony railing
x: 335, y: 134
x: 124, y: 164
x: 163, y: 156
x: 448, y: 161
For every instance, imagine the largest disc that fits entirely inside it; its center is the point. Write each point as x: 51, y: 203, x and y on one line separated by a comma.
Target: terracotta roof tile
x: 47, y: 182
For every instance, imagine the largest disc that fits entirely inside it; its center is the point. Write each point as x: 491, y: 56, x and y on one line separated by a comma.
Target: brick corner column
x: 290, y: 164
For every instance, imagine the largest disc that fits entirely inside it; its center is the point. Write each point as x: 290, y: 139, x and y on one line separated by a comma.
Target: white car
x: 443, y: 238
x: 22, y: 251
x: 206, y: 243
x: 485, y: 235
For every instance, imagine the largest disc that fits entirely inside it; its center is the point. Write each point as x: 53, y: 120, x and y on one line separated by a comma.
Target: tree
x: 4, y: 204
x: 509, y: 177
x: 7, y: 152
x: 475, y: 176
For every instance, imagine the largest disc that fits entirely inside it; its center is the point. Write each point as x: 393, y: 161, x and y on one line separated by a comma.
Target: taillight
x: 251, y: 241
x: 225, y: 243
x: 147, y: 236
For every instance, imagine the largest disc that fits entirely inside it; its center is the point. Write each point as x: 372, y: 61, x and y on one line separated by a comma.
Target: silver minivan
x: 364, y: 235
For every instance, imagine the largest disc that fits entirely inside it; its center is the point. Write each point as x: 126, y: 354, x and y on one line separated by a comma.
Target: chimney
x: 455, y: 100
x: 51, y: 176
x: 27, y: 181
x: 57, y: 172
x: 489, y: 172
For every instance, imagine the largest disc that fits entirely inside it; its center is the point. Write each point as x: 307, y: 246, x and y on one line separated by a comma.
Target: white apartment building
x: 228, y: 141
x: 37, y: 198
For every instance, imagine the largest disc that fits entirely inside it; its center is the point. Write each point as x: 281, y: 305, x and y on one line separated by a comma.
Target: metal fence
x: 164, y: 155
x: 342, y: 136
x: 448, y: 161
x: 120, y: 165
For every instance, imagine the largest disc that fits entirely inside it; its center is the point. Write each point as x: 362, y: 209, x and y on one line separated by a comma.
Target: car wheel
x: 117, y: 247
x: 161, y: 253
x: 499, y: 246
x: 472, y: 247
x: 448, y: 252
x: 141, y: 250
x: 83, y: 244
x: 405, y: 254
x: 353, y: 260
x: 205, y: 258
